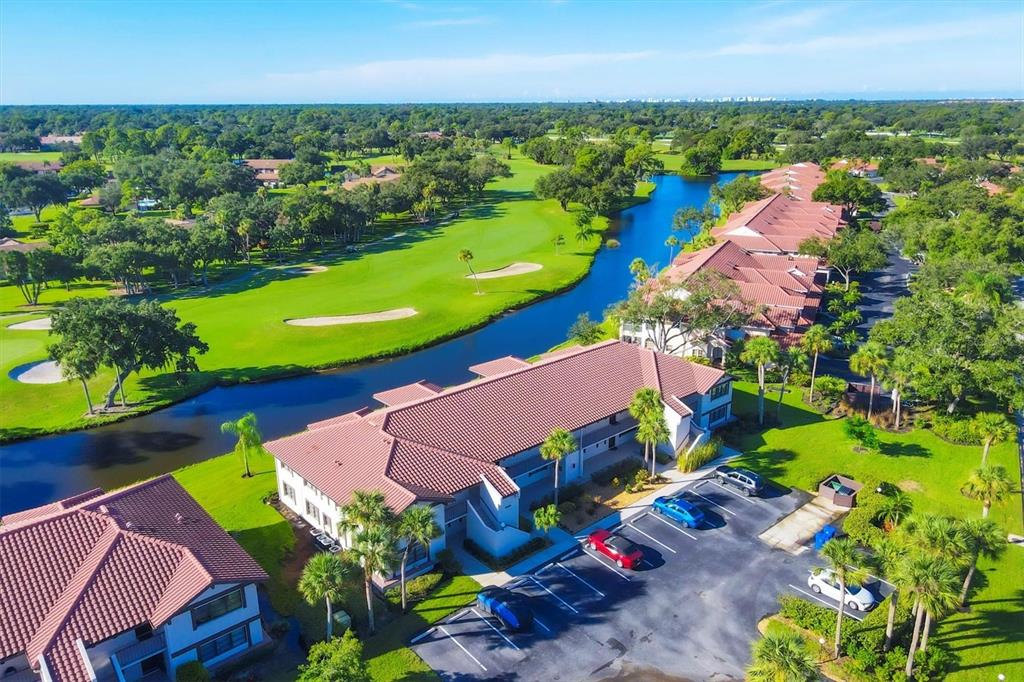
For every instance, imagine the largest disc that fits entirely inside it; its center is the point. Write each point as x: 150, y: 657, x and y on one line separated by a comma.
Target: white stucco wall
x: 181, y: 637
x: 505, y: 509
x: 306, y: 492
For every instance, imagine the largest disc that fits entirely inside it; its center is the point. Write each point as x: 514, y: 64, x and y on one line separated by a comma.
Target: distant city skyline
x: 195, y: 52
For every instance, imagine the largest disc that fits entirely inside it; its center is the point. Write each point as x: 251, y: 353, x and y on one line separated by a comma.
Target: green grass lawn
x: 243, y: 321
x: 806, y: 447
x: 236, y: 504
x: 11, y: 157
x: 673, y: 162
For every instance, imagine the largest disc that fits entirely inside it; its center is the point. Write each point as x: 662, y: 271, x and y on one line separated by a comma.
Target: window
x: 312, y: 511
x: 289, y: 491
x: 719, y: 390
x: 223, y: 644
x: 718, y: 414
x: 215, y: 608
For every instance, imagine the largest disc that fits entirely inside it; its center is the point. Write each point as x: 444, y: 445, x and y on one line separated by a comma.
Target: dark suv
x: 745, y: 480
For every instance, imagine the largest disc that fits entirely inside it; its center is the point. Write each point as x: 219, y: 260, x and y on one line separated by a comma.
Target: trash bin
x: 824, y: 535
x: 342, y: 622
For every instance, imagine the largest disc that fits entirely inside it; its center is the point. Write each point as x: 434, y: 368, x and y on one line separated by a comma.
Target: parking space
x: 690, y: 608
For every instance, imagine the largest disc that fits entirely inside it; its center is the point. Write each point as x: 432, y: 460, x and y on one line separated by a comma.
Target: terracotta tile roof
x: 435, y: 446
x: 798, y: 180
x: 40, y: 166
x: 498, y: 366
x: 778, y: 224
x: 12, y: 244
x: 991, y: 187
x: 61, y: 139
x: 404, y: 394
x: 92, y: 566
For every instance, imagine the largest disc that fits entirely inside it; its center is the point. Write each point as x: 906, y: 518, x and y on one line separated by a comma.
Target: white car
x: 824, y: 582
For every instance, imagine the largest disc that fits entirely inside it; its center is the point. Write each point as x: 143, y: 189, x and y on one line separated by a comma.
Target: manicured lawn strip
x: 11, y: 157
x: 807, y: 447
x: 387, y: 653
x: 244, y: 322
x: 673, y: 162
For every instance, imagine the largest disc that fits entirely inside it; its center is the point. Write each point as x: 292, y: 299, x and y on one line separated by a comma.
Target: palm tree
x: 889, y: 559
x: 782, y: 657
x: 416, y: 525
x: 929, y: 579
x: 466, y: 256
x: 939, y: 597
x: 672, y: 242
x: 984, y: 538
x: 899, y: 374
x: 936, y: 536
x: 324, y: 577
x: 374, y: 548
x: 557, y: 445
x: 991, y: 427
x: 987, y: 484
x: 845, y: 561
x: 870, y: 360
x: 645, y: 402
x: 894, y: 508
x: 793, y: 359
x: 547, y: 517
x: 760, y: 351
x: 652, y: 430
x: 816, y: 340
x: 250, y: 441
x: 558, y: 241
x: 584, y: 225
x: 365, y: 509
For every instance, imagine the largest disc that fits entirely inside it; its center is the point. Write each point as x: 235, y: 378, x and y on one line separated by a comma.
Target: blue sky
x: 190, y: 51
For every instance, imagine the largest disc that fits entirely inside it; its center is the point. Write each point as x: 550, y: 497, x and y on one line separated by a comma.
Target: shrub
x: 860, y: 525
x: 416, y: 589
x: 699, y: 456
x: 809, y: 616
x: 193, y: 671
x: 959, y: 431
x: 829, y: 389
x: 641, y: 478
x: 566, y: 508
x: 447, y: 562
x: 858, y: 429
x: 616, y: 482
x: 612, y: 243
x: 620, y: 470
x: 503, y: 562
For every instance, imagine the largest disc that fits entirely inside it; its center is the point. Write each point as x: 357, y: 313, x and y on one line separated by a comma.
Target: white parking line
x: 458, y: 615
x: 491, y: 626
x: 734, y: 493
x: 672, y: 526
x: 565, y: 603
x: 459, y: 644
x: 420, y: 636
x: 849, y: 612
x: 538, y: 622
x: 610, y: 568
x: 727, y: 511
x: 653, y: 539
x: 573, y: 574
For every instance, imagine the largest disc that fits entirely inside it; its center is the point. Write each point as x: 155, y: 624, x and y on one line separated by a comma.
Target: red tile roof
x: 433, y: 447
x: 12, y: 244
x: 498, y: 366
x: 40, y: 166
x: 779, y: 224
x: 95, y: 565
x: 404, y: 394
x: 798, y: 180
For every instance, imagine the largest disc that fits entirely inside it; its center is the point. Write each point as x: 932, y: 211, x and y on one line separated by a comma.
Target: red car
x: 617, y: 548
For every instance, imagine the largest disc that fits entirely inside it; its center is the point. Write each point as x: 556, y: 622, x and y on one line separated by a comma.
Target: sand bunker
x: 43, y: 372
x: 382, y: 316
x: 42, y: 324
x: 508, y: 271
x: 305, y: 269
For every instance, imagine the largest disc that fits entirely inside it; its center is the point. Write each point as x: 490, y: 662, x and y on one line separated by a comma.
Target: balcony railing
x: 133, y: 653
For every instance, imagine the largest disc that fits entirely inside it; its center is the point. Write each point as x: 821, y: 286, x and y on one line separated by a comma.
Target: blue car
x: 512, y: 609
x: 679, y: 510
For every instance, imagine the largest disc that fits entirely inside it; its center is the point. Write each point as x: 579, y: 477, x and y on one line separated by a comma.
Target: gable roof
x: 779, y: 223
x: 432, y: 447
x: 798, y: 180
x: 97, y: 564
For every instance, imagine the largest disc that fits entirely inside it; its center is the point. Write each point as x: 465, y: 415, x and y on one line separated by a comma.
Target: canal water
x: 44, y: 469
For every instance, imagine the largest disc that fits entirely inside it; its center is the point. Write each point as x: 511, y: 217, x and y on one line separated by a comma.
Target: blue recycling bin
x: 824, y: 535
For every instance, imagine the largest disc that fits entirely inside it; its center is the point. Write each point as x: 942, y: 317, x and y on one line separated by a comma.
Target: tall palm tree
x: 935, y: 536
x: 365, y: 509
x: 898, y: 374
x: 845, y: 561
x: 652, y: 430
x: 374, y: 548
x: 324, y: 577
x: 894, y: 508
x: 761, y: 351
x: 792, y: 359
x: 782, y: 657
x: 890, y: 554
x: 991, y: 427
x: 987, y: 484
x: 816, y: 340
x: 870, y: 360
x: 645, y: 402
x: 584, y: 225
x: 984, y: 538
x: 558, y: 241
x: 556, y: 446
x: 416, y: 526
x: 250, y: 441
x: 466, y: 256
x: 939, y: 597
x: 672, y: 242
x: 931, y: 576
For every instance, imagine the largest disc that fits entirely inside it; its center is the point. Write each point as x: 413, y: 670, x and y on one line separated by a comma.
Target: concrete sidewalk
x: 564, y: 542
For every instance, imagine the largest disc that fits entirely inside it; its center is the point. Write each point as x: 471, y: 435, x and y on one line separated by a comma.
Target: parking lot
x: 690, y: 610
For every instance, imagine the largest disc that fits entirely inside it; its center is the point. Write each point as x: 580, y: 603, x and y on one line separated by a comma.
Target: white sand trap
x: 382, y: 316
x: 305, y: 269
x: 508, y: 271
x: 42, y: 324
x: 43, y: 372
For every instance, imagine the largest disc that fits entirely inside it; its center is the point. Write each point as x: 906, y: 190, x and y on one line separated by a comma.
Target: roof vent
x: 178, y: 518
x: 103, y: 509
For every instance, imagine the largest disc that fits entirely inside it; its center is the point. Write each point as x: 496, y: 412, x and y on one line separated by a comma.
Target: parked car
x: 617, y: 548
x: 678, y: 509
x: 823, y: 581
x: 745, y: 480
x: 512, y: 609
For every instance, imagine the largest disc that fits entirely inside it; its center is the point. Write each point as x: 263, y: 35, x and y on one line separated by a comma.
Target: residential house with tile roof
x: 121, y: 586
x: 779, y: 224
x: 798, y: 180
x: 471, y: 452
x: 783, y: 292
x: 267, y: 170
